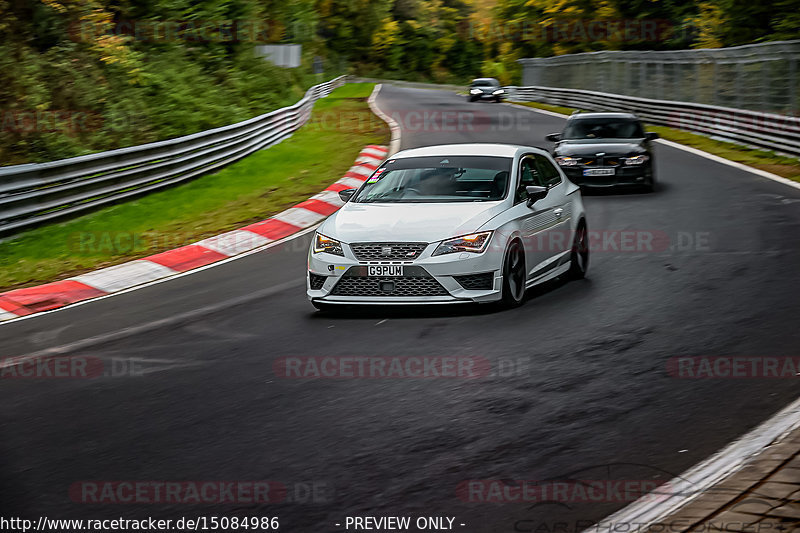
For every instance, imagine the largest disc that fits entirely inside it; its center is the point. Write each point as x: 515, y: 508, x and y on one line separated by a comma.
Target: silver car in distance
x: 451, y: 223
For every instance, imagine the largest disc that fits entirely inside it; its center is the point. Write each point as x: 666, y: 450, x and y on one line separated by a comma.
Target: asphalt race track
x: 587, y: 396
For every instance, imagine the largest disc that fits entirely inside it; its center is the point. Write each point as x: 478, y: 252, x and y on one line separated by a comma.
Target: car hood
x: 592, y: 147
x: 407, y: 222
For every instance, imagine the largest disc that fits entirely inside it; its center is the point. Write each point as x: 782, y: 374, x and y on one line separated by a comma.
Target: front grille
x: 316, y: 281
x: 602, y: 162
x: 476, y: 282
x: 388, y: 251
x: 405, y: 286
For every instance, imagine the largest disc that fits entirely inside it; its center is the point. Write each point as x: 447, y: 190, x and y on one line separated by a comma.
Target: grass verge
x: 785, y: 166
x: 250, y: 190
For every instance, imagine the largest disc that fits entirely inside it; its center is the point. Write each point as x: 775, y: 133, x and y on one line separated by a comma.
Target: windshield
x: 438, y: 179
x: 603, y: 128
x: 485, y: 83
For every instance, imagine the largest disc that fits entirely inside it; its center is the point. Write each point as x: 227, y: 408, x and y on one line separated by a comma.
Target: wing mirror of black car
x: 651, y: 136
x: 346, y: 194
x: 535, y: 193
x: 553, y: 137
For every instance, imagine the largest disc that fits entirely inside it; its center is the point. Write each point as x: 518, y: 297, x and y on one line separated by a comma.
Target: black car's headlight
x: 326, y: 244
x: 498, y: 91
x: 475, y: 91
x: 475, y: 242
x: 635, y: 160
x: 568, y: 161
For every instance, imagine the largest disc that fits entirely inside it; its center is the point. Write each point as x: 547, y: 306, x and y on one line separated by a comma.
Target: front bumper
x: 429, y: 280
x: 487, y: 96
x: 630, y: 175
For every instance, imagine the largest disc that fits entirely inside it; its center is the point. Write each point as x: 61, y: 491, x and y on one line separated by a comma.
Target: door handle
x: 558, y: 212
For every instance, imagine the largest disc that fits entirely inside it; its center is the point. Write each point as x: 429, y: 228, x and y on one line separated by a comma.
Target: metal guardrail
x: 33, y: 194
x: 780, y: 133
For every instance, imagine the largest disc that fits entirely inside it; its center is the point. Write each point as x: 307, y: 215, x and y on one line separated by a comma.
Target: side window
x: 548, y: 172
x: 528, y: 175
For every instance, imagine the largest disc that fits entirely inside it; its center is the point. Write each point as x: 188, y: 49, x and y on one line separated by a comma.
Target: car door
x: 537, y: 222
x: 560, y: 238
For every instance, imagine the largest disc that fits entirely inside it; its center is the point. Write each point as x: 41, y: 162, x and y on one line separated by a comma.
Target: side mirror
x: 651, y: 136
x: 346, y: 194
x: 535, y: 193
x: 553, y: 137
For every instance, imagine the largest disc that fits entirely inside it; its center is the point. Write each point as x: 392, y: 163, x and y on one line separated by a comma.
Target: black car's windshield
x: 438, y: 179
x: 603, y: 128
x: 486, y: 83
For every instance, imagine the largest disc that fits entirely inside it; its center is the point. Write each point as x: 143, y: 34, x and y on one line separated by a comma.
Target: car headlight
x: 475, y: 242
x: 498, y: 91
x: 326, y: 244
x: 475, y: 91
x: 635, y: 160
x: 568, y: 161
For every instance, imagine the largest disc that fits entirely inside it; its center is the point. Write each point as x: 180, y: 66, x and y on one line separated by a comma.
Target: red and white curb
x: 31, y: 300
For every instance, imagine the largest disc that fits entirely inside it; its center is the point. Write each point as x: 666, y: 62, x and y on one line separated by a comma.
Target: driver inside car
x: 437, y: 182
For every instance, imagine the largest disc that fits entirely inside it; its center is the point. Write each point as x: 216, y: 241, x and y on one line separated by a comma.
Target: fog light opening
x: 387, y: 286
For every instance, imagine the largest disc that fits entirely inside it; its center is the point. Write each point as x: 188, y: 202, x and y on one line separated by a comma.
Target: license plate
x: 383, y: 271
x: 598, y: 172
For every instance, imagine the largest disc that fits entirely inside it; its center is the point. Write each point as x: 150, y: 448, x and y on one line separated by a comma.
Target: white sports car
x: 450, y: 223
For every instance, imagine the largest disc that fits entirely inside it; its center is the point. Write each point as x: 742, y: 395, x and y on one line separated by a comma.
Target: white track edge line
x: 168, y: 278
x: 711, y: 471
x: 147, y: 326
x: 735, y: 164
x: 692, y: 150
x: 394, y: 144
x: 732, y: 457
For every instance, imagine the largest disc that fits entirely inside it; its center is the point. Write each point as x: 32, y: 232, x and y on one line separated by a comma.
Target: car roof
x: 477, y: 149
x: 485, y: 79
x: 579, y: 116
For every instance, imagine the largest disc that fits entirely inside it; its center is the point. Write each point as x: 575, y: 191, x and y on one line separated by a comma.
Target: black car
x: 485, y: 89
x: 604, y: 150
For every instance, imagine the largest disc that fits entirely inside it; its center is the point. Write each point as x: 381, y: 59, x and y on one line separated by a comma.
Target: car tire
x: 514, y: 275
x: 579, y: 257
